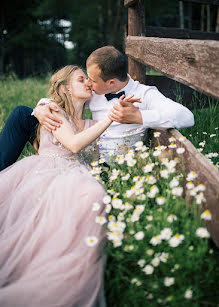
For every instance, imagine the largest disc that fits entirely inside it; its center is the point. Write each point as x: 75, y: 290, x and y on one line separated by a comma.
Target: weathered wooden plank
x: 179, y: 33
x: 129, y: 2
x: 211, y: 2
x: 207, y: 175
x: 179, y: 92
x: 136, y: 27
x: 192, y: 62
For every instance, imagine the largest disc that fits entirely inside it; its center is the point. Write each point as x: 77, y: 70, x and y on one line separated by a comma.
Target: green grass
x: 122, y: 264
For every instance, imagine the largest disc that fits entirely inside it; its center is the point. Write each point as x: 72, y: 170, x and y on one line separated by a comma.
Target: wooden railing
x: 192, y: 59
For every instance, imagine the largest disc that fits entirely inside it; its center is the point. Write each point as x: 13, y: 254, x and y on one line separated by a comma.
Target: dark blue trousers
x: 19, y: 128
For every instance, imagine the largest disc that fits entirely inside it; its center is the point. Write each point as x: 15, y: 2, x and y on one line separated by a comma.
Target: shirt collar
x: 128, y: 86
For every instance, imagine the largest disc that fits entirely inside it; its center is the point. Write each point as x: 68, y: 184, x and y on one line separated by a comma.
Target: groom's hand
x: 45, y: 116
x: 125, y: 112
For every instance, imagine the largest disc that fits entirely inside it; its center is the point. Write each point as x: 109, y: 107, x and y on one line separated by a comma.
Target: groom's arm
x: 157, y: 111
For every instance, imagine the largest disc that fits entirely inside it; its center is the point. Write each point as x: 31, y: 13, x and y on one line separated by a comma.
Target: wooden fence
x: 190, y: 57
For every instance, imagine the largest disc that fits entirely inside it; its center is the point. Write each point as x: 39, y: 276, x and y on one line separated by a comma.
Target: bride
x: 52, y: 251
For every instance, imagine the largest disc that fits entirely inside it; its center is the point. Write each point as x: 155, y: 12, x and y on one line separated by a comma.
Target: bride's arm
x: 75, y: 142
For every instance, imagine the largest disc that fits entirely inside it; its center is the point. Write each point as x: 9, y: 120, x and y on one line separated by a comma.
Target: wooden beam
x: 207, y: 175
x: 192, y: 62
x: 211, y: 2
x: 136, y: 27
x: 128, y: 3
x: 179, y: 33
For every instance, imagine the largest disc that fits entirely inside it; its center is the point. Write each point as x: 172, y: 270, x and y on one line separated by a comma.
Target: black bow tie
x: 111, y: 96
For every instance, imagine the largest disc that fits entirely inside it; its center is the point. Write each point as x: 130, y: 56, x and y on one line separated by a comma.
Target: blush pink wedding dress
x: 45, y: 216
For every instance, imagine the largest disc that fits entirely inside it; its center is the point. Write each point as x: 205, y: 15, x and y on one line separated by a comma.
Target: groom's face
x: 95, y: 82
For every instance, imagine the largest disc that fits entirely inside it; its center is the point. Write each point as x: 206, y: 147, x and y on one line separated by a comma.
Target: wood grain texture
x: 193, y: 160
x: 192, y: 62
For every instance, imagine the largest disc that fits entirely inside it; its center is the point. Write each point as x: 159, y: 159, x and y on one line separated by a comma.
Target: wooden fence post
x: 136, y: 27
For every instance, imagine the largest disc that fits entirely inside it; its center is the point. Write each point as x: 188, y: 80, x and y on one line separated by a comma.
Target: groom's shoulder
x: 143, y: 87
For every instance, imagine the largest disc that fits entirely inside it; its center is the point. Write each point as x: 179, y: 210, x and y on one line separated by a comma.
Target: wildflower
x: 172, y: 139
x: 177, y: 191
x: 200, y: 149
x: 148, y: 269
x: 156, y: 134
x: 94, y: 163
x: 101, y: 161
x: 163, y: 257
x: 156, y: 153
x: 148, y: 168
x: 96, y: 206
x: 108, y: 208
x: 144, y: 155
x: 155, y: 240
x: 160, y: 200
x: 141, y: 263
x: 169, y: 281
x: 116, y: 203
x: 200, y: 198
x: 100, y: 220
x: 138, y: 145
x: 212, y: 135
x: 202, y: 232
x: 188, y: 294
x: 202, y: 144
x: 131, y: 162
x: 206, y: 215
x: 191, y: 247
x: 141, y: 197
x: 164, y: 173
x: 148, y: 226
x: 190, y: 185
x: 149, y: 217
x: 150, y: 179
x: 176, y: 240
x: 166, y: 234
x: 191, y: 176
x: 150, y: 252
x: 180, y: 150
x: 174, y: 182
x: 126, y: 177
x: 120, y: 159
x: 136, y: 281
x: 182, y: 139
x: 172, y: 145
x: 106, y: 199
x: 155, y: 262
x: 91, y: 241
x: 111, y: 153
x: 153, y: 191
x: 171, y: 218
x: 139, y: 235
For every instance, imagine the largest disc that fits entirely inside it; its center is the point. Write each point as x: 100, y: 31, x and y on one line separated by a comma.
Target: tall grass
x: 136, y: 269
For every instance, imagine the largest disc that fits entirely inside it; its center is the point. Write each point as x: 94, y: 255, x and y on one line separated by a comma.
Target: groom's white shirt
x: 157, y: 111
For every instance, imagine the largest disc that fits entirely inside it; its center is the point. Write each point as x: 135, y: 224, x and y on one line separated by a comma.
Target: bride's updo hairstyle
x: 58, y: 88
x: 59, y: 94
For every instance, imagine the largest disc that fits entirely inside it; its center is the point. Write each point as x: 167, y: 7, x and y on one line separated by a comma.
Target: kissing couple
x: 52, y: 248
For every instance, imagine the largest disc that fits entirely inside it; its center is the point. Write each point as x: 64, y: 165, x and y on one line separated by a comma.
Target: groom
x: 108, y: 78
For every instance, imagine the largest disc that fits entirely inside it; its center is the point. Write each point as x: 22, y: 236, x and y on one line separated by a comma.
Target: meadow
x: 159, y: 251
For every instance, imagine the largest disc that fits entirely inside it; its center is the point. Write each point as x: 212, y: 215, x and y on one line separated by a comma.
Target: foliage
x: 158, y: 245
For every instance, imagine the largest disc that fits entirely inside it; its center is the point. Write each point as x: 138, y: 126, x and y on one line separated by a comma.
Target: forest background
x: 40, y: 36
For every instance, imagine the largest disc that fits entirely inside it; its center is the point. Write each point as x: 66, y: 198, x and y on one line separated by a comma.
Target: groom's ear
x: 112, y: 82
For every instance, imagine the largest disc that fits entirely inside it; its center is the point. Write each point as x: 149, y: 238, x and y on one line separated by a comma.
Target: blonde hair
x: 58, y: 82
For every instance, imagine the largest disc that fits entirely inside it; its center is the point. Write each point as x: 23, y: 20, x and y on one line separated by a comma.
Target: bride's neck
x: 78, y: 109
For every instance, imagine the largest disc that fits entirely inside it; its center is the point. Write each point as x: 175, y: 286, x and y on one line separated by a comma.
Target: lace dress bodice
x: 50, y: 146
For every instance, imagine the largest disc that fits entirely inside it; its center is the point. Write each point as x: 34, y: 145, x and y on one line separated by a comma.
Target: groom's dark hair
x: 112, y: 63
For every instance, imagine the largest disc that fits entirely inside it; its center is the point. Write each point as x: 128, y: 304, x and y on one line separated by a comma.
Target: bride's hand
x: 125, y: 112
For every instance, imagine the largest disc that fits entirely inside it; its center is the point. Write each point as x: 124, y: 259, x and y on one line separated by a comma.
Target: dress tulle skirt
x: 45, y: 216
